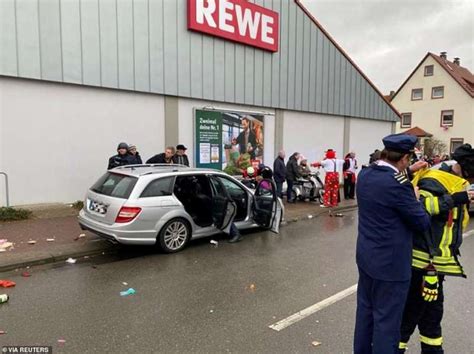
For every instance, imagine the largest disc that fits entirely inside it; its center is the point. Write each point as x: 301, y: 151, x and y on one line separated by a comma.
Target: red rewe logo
x: 237, y: 20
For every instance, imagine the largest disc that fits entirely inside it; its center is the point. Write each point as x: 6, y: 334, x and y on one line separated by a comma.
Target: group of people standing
x: 411, y: 222
x: 128, y: 155
x: 297, y: 167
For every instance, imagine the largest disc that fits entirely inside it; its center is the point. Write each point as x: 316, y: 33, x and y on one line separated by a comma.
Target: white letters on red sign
x: 236, y: 20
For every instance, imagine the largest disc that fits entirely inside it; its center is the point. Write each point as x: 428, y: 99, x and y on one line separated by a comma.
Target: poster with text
x: 228, y: 141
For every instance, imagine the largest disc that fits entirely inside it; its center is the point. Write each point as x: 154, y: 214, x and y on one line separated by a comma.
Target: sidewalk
x: 59, y: 222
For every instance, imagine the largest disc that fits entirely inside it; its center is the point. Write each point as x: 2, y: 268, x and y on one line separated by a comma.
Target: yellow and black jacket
x: 448, y: 220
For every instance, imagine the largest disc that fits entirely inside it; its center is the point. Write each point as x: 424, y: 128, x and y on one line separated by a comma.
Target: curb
x: 112, y: 250
x: 57, y: 258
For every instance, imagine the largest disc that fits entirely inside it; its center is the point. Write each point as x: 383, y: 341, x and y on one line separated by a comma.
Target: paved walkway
x: 58, y: 235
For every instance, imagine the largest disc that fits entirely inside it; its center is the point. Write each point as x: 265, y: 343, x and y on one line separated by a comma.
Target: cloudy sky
x: 388, y: 38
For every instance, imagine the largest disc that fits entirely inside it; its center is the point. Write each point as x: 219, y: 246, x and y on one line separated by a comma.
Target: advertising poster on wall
x: 228, y: 141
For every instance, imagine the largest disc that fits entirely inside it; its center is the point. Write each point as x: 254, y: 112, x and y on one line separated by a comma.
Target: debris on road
x: 2, y: 332
x: 79, y: 237
x: 61, y: 341
x: 251, y: 287
x: 3, y: 298
x: 7, y: 284
x: 128, y: 292
x: 25, y: 274
x: 124, y: 283
x: 211, y: 311
x: 31, y: 242
x: 5, y: 245
x: 310, y: 216
x: 50, y: 240
x: 71, y: 260
x: 214, y: 243
x: 316, y: 343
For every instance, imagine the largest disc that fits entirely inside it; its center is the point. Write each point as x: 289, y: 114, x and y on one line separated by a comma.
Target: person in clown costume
x: 331, y: 183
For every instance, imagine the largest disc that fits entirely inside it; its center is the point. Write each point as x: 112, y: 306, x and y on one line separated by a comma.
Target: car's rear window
x: 115, y: 185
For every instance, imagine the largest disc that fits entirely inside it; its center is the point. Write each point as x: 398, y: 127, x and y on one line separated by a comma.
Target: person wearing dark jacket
x: 164, y: 157
x: 292, y: 174
x: 279, y: 172
x: 180, y: 157
x: 134, y: 155
x: 389, y: 215
x: 121, y: 159
x: 247, y: 139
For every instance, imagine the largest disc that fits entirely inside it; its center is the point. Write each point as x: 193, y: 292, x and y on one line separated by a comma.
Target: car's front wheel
x: 174, y: 235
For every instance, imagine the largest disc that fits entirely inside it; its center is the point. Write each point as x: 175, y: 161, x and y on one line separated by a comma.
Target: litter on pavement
x: 50, y: 240
x: 316, y: 343
x: 3, y: 332
x: 128, y: 292
x: 7, y: 283
x: 61, y: 341
x: 124, y: 283
x: 3, y: 298
x: 214, y: 242
x: 31, y: 242
x: 71, y: 260
x: 251, y: 288
x: 25, y: 274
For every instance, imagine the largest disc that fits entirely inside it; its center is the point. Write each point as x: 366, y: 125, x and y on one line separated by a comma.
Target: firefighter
x: 444, y: 193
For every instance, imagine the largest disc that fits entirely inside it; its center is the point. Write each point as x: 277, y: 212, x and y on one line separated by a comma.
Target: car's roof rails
x: 169, y: 165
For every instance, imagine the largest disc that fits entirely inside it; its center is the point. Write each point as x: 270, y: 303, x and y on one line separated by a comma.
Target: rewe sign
x: 236, y: 20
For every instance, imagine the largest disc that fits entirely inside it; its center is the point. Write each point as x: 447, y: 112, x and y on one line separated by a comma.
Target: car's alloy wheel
x: 174, y: 235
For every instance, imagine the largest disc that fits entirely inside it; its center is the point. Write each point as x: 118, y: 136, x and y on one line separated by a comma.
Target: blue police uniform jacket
x: 388, y: 215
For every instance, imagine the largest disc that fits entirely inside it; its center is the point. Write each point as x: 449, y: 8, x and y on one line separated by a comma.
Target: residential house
x: 437, y: 99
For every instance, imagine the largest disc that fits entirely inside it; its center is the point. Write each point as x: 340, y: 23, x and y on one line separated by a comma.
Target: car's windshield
x: 115, y: 185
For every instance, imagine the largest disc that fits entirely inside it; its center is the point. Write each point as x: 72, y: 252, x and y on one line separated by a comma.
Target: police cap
x: 403, y: 143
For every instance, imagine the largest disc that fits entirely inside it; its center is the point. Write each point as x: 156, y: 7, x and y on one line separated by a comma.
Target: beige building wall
x: 426, y: 113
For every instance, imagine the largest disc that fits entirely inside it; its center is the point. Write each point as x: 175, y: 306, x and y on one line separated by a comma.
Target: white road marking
x: 278, y: 326
x: 467, y: 234
x: 286, y: 322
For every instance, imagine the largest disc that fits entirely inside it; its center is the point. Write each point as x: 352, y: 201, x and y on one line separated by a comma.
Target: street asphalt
x: 212, y: 299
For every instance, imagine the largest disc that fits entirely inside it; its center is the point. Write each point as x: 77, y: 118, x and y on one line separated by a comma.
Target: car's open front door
x: 267, y: 210
x: 224, y: 208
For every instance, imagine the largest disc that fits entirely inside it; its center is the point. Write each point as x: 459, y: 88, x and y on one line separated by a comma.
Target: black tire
x: 174, y: 235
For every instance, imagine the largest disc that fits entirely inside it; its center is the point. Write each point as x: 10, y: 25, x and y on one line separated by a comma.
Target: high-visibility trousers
x: 426, y: 315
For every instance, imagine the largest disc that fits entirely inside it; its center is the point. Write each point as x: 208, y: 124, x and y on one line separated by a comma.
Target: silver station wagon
x: 168, y: 205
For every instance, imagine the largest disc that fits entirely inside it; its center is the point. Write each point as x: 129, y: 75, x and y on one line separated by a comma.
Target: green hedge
x: 10, y: 214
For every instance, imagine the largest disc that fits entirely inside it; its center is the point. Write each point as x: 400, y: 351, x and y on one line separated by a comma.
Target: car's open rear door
x: 267, y: 210
x: 224, y: 208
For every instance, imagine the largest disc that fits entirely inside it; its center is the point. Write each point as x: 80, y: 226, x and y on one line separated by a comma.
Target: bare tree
x: 433, y: 146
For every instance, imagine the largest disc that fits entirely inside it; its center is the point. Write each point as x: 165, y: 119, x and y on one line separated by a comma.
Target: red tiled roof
x: 418, y: 132
x: 462, y: 75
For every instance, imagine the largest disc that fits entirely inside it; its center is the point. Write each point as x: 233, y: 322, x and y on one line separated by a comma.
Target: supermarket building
x: 79, y: 76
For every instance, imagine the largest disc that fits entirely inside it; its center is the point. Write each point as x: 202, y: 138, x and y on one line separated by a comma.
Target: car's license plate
x: 97, y: 207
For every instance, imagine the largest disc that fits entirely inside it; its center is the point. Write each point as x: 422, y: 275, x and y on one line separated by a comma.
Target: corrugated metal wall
x: 144, y: 45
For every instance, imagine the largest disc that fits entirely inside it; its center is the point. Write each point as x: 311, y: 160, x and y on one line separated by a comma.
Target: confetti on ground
x: 128, y: 292
x: 61, y: 341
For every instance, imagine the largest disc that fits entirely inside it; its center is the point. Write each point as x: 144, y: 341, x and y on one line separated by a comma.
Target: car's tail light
x: 127, y: 214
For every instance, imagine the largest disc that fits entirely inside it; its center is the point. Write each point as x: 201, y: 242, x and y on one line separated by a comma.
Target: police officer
x: 389, y: 212
x: 436, y: 254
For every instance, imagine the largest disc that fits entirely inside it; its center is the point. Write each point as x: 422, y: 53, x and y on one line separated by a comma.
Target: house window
x: 455, y: 143
x: 429, y: 69
x: 447, y: 118
x: 437, y: 92
x: 416, y: 94
x: 406, y: 120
